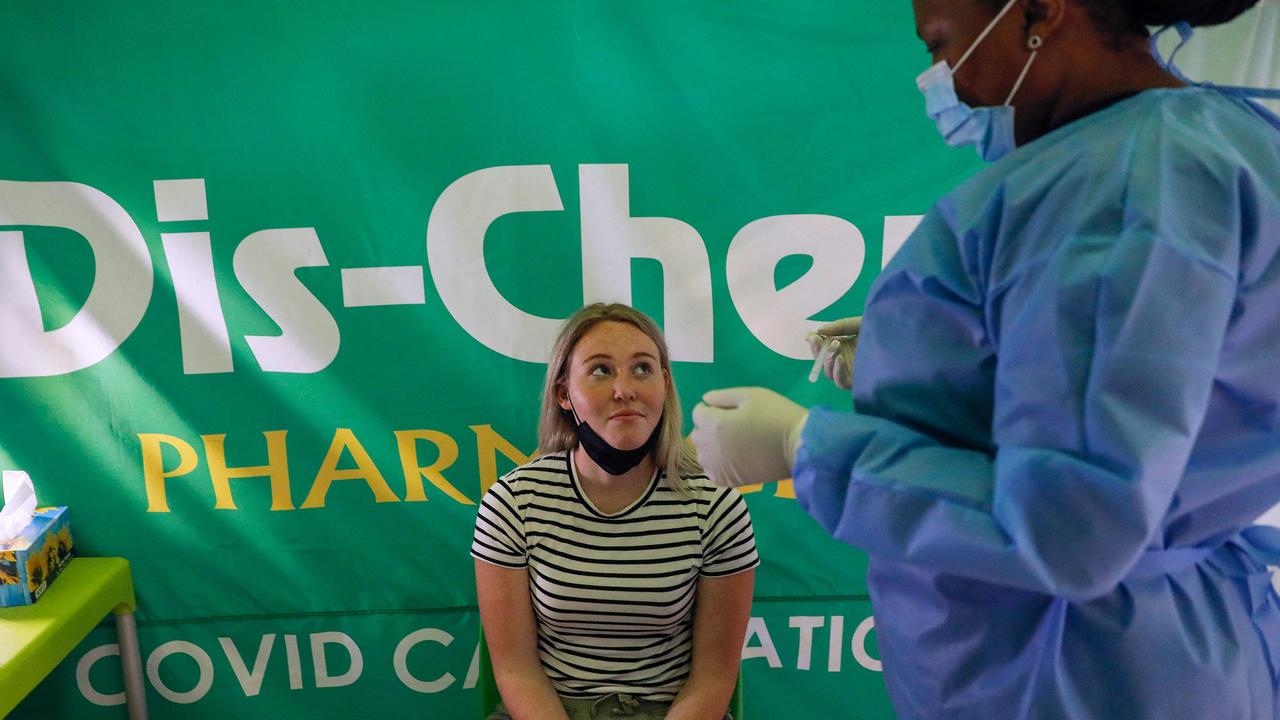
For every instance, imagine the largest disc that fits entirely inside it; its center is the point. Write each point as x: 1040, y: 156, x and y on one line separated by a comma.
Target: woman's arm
x: 1107, y: 350
x: 720, y: 616
x: 506, y: 611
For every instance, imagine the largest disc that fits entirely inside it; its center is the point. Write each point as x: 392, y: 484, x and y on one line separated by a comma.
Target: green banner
x: 423, y: 663
x: 277, y: 282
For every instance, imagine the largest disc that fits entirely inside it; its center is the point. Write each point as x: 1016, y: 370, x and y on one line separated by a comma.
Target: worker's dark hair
x: 1196, y: 12
x: 1124, y: 19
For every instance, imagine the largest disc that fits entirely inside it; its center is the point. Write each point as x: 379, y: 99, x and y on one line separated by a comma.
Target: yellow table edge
x: 35, y: 638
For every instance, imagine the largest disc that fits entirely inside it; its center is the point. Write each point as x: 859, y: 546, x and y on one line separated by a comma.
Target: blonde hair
x: 555, y: 428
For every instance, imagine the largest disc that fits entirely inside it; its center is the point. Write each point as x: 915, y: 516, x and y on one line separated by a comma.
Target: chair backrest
x: 487, y: 685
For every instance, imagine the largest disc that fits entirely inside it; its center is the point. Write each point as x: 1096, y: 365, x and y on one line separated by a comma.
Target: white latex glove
x: 833, y: 347
x: 746, y: 435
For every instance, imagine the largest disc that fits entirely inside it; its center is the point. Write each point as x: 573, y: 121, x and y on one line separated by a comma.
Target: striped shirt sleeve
x: 728, y: 541
x: 499, y: 536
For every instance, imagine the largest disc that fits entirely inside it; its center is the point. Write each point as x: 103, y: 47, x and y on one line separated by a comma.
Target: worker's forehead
x: 937, y: 15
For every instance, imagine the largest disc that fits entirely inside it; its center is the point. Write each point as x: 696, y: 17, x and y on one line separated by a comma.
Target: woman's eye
x: 599, y: 371
x: 643, y: 369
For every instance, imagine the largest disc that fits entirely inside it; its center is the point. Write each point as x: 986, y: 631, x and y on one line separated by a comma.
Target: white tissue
x: 19, y: 504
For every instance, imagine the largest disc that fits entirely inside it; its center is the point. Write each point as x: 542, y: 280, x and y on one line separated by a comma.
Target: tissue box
x: 31, y: 561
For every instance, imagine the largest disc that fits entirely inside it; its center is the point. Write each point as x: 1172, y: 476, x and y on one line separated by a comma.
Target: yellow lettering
x: 277, y: 469
x: 447, y: 454
x: 785, y: 489
x: 365, y: 470
x: 488, y: 445
x: 153, y: 472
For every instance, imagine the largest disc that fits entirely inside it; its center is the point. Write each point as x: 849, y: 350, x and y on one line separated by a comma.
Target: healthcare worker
x: 1067, y: 392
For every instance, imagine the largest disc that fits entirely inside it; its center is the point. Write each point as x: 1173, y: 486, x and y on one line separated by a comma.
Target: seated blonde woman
x: 613, y: 579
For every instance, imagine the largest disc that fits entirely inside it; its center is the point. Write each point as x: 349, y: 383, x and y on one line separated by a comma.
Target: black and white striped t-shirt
x: 613, y: 594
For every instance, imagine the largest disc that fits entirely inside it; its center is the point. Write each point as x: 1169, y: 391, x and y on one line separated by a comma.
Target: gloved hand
x: 834, y: 345
x: 746, y: 435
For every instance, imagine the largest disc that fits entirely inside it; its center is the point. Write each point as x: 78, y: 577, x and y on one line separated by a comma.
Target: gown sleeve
x: 1102, y: 351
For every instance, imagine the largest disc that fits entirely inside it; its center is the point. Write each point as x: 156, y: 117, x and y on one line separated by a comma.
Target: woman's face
x: 616, y: 384
x: 949, y: 27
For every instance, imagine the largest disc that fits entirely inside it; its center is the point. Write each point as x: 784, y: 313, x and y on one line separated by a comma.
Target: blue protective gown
x: 1067, y: 409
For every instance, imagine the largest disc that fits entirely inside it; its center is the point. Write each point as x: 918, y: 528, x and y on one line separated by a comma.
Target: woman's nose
x: 624, y: 389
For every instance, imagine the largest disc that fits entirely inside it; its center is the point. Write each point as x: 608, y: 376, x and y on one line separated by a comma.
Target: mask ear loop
x: 1034, y: 42
x: 573, y: 412
x: 983, y: 35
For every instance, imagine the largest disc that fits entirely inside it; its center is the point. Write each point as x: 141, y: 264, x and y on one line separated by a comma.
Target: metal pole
x: 135, y: 693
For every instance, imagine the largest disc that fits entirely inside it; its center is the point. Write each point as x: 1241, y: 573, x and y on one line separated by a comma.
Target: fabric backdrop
x: 278, y: 280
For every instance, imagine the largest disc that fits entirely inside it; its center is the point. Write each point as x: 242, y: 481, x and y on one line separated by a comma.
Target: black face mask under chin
x: 609, y: 458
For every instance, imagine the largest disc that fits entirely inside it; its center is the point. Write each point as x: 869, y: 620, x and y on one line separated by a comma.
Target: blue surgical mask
x: 989, y: 129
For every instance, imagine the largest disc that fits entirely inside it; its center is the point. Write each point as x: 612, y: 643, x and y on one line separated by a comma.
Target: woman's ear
x: 562, y: 397
x: 1044, y: 17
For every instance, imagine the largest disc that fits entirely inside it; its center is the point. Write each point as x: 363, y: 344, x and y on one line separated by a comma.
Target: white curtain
x: 1245, y: 51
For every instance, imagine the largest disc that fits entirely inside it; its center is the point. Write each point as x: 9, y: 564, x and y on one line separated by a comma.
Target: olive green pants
x: 609, y: 707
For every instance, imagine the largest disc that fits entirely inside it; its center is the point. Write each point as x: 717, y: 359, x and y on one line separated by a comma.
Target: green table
x: 35, y: 638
